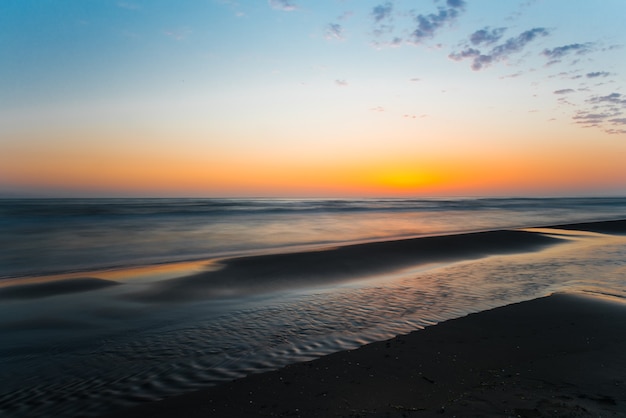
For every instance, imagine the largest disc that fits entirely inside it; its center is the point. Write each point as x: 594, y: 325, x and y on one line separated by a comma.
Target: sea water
x: 45, y: 236
x: 85, y: 353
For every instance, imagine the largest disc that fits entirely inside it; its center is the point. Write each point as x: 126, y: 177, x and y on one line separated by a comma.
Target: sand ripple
x: 197, y: 344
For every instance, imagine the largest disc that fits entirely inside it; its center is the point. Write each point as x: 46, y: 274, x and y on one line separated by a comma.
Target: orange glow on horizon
x: 254, y: 178
x: 183, y: 171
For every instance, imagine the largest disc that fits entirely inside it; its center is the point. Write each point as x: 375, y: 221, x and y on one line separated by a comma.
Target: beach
x: 561, y: 355
x: 198, y: 335
x: 289, y: 208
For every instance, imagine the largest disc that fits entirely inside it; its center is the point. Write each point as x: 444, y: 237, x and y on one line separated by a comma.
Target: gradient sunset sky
x: 352, y: 98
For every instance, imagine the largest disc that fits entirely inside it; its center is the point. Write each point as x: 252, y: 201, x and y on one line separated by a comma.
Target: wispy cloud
x: 607, y: 112
x: 285, y: 5
x: 561, y: 51
x: 616, y: 131
x: 499, y: 52
x: 564, y: 91
x: 597, y: 74
x: 383, y: 21
x: 521, y: 9
x: 557, y: 54
x: 334, y: 31
x: 613, y: 98
x: 567, y: 75
x: 393, y: 43
x: 428, y: 25
x: 590, y: 119
x: 486, y: 36
x: 382, y: 12
x: 341, y: 83
x: 466, y: 53
x: 562, y: 100
x: 514, y: 75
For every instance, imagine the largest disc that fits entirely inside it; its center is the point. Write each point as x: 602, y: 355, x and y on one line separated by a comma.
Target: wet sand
x: 562, y: 355
x: 607, y: 227
x: 54, y: 288
x: 259, y: 274
x: 556, y: 356
x: 272, y: 272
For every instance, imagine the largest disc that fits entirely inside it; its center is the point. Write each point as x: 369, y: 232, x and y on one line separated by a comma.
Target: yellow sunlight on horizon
x: 70, y: 164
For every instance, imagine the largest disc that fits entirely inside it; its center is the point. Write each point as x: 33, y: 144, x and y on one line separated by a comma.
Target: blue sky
x: 332, y: 94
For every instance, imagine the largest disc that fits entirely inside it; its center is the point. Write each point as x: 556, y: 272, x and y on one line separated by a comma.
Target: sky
x: 312, y: 98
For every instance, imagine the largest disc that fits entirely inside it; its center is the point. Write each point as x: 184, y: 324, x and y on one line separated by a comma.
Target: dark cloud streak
x: 427, y: 25
x: 613, y: 98
x: 498, y: 52
x: 597, y: 74
x: 486, y: 36
x: 382, y: 12
x: 561, y: 51
x: 557, y: 54
x: 605, y: 112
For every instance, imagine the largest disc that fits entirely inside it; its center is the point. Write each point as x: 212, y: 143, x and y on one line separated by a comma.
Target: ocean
x: 106, y: 303
x: 63, y: 235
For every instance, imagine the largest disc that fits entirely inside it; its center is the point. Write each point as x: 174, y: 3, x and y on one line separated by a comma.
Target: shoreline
x: 560, y: 355
x: 248, y: 275
x: 617, y: 226
x: 405, y: 300
x: 243, y: 276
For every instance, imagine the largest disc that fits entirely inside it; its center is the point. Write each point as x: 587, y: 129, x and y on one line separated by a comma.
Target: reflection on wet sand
x: 132, y: 348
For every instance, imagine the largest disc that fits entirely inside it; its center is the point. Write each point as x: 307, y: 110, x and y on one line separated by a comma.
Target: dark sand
x: 563, y: 355
x: 54, y: 288
x: 606, y: 227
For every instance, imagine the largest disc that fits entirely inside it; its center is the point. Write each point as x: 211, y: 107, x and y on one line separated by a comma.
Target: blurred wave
x: 47, y: 236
